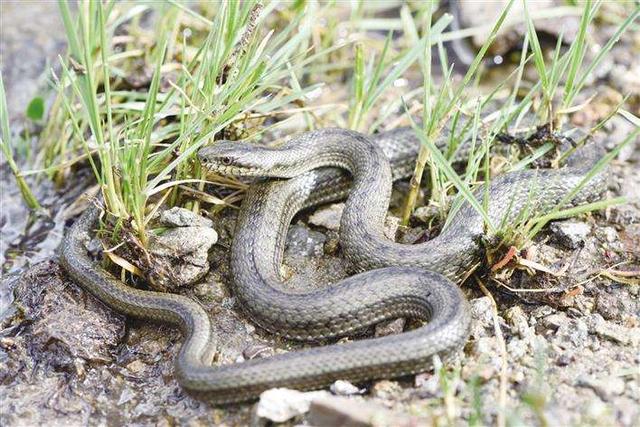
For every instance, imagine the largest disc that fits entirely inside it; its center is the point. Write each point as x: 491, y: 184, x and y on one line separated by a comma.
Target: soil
x: 572, y: 352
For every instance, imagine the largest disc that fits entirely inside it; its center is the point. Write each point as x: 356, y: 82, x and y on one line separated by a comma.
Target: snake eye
x: 226, y: 161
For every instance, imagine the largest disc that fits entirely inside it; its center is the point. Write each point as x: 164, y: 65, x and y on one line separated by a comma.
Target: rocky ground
x: 563, y: 348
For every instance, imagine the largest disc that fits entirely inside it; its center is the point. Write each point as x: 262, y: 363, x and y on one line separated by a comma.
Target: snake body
x: 398, y: 280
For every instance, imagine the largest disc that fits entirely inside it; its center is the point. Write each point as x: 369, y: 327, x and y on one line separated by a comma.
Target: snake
x: 392, y: 280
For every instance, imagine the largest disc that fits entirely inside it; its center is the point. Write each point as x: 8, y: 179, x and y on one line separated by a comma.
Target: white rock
x: 345, y: 388
x: 328, y: 217
x: 571, y: 233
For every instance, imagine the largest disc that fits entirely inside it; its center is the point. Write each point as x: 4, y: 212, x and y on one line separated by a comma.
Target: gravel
x: 571, y: 234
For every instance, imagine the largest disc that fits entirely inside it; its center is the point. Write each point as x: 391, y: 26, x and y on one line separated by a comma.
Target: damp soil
x: 573, y: 351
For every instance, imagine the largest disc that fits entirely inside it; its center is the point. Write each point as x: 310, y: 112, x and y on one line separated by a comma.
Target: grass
x: 145, y: 141
x: 7, y: 149
x: 566, y: 73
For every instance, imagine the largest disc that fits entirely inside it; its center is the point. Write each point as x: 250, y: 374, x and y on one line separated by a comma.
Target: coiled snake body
x: 398, y: 280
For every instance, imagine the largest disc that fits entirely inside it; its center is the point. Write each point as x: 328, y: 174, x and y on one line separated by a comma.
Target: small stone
x: 345, y: 388
x: 571, y: 234
x: 391, y: 225
x: 391, y: 327
x: 609, y: 234
x: 541, y: 311
x: 629, y: 216
x: 282, y: 404
x: 148, y: 409
x: 331, y: 245
x: 328, y: 217
x: 518, y: 377
x: 181, y: 217
x: 136, y: 366
x: 181, y: 255
x: 573, y: 333
x: 565, y: 359
x: 429, y: 386
x: 619, y: 128
x: 386, y: 389
x: 605, y: 388
x: 303, y: 242
x: 476, y: 14
x: 555, y: 321
x: 607, y: 305
x: 518, y: 321
x: 625, y: 79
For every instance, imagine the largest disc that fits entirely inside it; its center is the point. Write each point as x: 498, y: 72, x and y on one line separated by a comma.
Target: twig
x: 525, y: 290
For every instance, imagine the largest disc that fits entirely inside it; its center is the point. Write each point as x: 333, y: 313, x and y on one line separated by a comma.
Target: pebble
x: 386, y: 389
x: 517, y: 319
x: 565, y: 359
x: 429, y: 385
x: 328, y: 217
x: 595, y: 409
x: 476, y: 14
x: 541, y: 311
x: 181, y: 217
x: 126, y: 396
x: 555, y: 320
x: 609, y: 234
x: 607, y: 305
x: 282, y: 404
x: 571, y: 234
x: 618, y: 129
x: 345, y: 388
x: 572, y: 333
x: 303, y: 242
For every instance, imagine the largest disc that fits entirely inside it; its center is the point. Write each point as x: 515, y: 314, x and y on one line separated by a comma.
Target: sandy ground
x: 572, y: 355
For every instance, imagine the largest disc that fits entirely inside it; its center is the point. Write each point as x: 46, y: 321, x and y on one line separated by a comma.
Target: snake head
x: 231, y: 158
x: 239, y: 158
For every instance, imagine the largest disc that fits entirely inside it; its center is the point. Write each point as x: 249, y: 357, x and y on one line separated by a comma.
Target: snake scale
x: 395, y: 280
